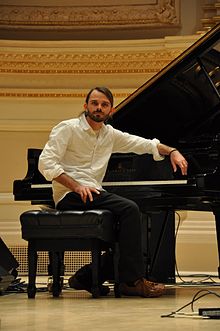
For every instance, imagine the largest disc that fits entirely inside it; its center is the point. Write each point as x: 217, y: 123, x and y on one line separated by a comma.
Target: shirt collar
x: 85, y: 125
x: 83, y: 122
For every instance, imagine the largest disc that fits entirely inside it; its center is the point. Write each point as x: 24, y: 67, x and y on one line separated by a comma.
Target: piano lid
x: 182, y: 101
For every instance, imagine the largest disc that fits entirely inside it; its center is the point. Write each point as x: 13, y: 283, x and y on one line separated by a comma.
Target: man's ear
x: 112, y: 111
x: 85, y: 106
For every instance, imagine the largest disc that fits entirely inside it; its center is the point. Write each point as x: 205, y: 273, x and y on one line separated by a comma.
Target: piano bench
x: 59, y: 231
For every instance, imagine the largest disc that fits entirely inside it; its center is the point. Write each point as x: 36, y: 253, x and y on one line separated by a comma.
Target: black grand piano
x: 181, y: 107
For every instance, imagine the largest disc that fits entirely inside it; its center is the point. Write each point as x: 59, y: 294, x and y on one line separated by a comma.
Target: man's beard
x: 95, y: 116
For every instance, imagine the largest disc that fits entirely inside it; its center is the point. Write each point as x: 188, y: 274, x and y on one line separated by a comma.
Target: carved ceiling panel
x: 84, y: 15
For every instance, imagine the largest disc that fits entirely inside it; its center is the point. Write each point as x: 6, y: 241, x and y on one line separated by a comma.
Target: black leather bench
x: 59, y: 231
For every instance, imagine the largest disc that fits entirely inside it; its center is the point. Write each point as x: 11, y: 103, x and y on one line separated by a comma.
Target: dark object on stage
x: 181, y: 107
x: 8, y: 265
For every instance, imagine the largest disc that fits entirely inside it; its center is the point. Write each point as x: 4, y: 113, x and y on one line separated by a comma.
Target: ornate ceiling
x: 59, y: 19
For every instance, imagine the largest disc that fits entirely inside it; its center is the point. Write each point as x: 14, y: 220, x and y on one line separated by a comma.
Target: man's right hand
x: 84, y: 191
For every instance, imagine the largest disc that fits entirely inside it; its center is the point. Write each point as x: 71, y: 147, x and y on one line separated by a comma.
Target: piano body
x: 181, y: 107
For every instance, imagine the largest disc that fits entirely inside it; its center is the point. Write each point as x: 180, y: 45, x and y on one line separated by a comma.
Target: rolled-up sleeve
x: 125, y: 143
x: 49, y: 161
x: 154, y: 150
x: 49, y: 168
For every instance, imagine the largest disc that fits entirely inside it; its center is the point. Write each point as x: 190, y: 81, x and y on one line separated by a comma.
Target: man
x: 76, y: 157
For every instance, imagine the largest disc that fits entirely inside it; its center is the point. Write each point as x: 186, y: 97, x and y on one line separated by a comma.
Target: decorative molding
x: 26, y: 94
x: 62, y: 64
x: 6, y: 198
x: 57, y: 69
x: 211, y: 15
x: 31, y: 125
x: 93, y: 16
x: 90, y: 63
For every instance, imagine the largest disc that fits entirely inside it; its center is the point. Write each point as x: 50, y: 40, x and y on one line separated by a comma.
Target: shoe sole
x: 76, y: 285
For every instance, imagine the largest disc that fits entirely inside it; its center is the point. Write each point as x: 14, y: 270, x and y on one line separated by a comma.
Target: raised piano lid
x: 181, y: 104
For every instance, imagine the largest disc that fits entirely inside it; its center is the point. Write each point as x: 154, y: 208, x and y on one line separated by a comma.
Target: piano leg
x: 159, y: 245
x: 216, y: 211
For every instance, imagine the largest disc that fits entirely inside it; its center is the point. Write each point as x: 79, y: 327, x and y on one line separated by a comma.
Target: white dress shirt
x: 75, y: 149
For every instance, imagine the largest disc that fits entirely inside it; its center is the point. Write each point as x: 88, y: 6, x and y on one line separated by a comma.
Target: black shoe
x: 74, y: 283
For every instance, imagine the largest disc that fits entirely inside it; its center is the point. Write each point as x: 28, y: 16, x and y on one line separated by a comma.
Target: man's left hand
x: 178, y: 160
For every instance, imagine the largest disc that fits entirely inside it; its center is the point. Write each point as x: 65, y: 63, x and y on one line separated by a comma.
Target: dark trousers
x: 127, y: 214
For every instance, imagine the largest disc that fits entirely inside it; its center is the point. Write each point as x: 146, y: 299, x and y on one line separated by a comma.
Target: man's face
x: 99, y: 107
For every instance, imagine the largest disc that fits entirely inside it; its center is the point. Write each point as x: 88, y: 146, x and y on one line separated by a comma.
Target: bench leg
x: 62, y: 265
x: 96, y: 255
x: 56, y: 271
x: 32, y: 270
x: 116, y: 273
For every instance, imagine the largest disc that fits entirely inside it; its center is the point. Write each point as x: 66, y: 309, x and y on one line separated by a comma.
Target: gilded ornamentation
x: 162, y: 13
x: 55, y: 63
x: 51, y: 95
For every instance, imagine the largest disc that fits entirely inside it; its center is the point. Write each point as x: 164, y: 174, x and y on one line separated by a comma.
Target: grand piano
x: 181, y: 107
